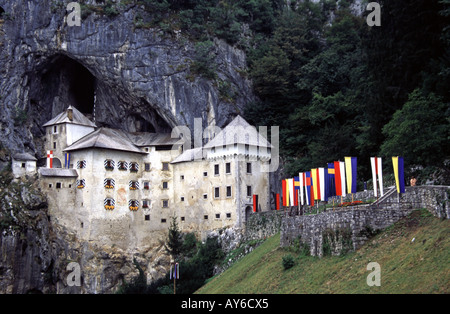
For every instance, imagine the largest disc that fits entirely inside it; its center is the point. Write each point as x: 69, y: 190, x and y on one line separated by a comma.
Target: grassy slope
x: 422, y: 266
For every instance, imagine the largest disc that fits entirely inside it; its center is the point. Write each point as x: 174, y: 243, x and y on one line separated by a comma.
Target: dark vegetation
x: 334, y: 85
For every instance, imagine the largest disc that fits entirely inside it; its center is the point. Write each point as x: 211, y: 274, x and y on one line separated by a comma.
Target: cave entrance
x: 67, y: 82
x: 2, y: 12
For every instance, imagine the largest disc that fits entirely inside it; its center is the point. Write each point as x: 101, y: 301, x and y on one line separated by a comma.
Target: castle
x: 119, y: 188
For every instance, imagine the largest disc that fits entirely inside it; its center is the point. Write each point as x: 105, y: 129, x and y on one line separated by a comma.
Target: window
x: 145, y: 203
x: 205, y: 174
x: 249, y: 190
x: 134, y: 185
x: 109, y: 183
x: 247, y: 149
x: 217, y: 216
x: 165, y: 203
x: 216, y: 170
x: 146, y: 185
x: 81, y: 184
x: 181, y: 177
x: 122, y: 165
x: 58, y: 185
x: 205, y: 196
x: 228, y: 168
x: 109, y: 203
x: 165, y: 166
x: 50, y: 186
x: 147, y: 217
x: 205, y: 217
x: 109, y: 164
x: 228, y: 191
x: 55, y: 129
x: 165, y: 185
x: 133, y: 205
x: 54, y: 145
x: 23, y: 165
x: 216, y: 192
x: 182, y: 199
x: 134, y: 167
x: 163, y: 220
x: 228, y: 215
x: 81, y: 164
x: 249, y: 167
x: 183, y: 219
x: 147, y: 166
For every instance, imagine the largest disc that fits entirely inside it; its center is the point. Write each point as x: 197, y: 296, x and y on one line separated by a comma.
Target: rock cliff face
x: 140, y: 79
x: 136, y: 79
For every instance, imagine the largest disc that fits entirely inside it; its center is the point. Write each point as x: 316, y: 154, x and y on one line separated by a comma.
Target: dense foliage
x: 334, y: 85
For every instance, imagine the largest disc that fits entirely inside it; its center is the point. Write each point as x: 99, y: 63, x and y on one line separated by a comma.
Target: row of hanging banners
x: 338, y: 179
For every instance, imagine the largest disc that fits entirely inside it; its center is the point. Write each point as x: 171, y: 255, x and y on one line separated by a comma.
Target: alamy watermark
x: 74, y: 16
x: 73, y: 279
x: 374, y: 17
x: 374, y: 278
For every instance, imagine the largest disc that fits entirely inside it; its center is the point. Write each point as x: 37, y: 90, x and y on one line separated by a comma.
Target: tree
x: 420, y: 131
x: 174, y: 241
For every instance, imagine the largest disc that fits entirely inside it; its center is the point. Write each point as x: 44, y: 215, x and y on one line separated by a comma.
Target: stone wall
x: 263, y: 224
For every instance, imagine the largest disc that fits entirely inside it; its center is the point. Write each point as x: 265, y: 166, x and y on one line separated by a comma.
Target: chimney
x: 70, y: 113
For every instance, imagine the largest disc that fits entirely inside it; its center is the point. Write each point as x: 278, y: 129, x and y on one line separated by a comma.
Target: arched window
x: 134, y: 185
x: 109, y: 164
x: 122, y: 165
x: 134, y: 167
x: 133, y: 205
x: 81, y: 184
x: 109, y: 183
x: 109, y: 203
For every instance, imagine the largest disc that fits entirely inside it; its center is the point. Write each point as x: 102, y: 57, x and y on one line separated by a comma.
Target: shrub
x: 288, y: 261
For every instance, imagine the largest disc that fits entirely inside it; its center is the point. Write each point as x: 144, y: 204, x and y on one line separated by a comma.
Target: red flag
x: 337, y: 178
x: 284, y: 192
x: 277, y: 201
x: 255, y: 203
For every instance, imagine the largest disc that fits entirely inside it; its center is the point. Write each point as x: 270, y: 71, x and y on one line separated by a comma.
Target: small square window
x: 50, y: 185
x: 228, y: 215
x: 165, y: 203
x: 182, y: 219
x: 205, y: 217
x: 23, y: 165
x: 165, y: 166
x: 205, y: 174
x: 181, y: 177
x: 58, y: 185
x: 147, y: 217
x: 163, y: 220
x: 147, y: 166
x: 217, y: 216
x: 182, y: 198
x: 205, y: 196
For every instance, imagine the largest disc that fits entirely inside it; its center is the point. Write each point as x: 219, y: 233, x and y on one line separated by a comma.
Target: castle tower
x: 63, y: 130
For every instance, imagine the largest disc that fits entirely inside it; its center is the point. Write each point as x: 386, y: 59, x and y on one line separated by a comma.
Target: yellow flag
x: 395, y: 164
x: 348, y: 173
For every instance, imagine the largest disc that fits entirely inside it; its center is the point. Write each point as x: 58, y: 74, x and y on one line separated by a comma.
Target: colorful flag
x: 337, y: 178
x: 350, y: 170
x: 330, y: 181
x: 255, y: 203
x: 321, y: 172
x: 277, y: 201
x: 49, y: 159
x: 399, y: 173
x: 291, y: 192
x: 377, y: 171
x: 283, y: 183
x: 175, y: 273
x: 67, y: 160
x: 302, y: 184
x: 308, y: 189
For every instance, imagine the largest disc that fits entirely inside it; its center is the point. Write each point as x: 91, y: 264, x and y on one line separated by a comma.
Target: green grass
x: 421, y: 266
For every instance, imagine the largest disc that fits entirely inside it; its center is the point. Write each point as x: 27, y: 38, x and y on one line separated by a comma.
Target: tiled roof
x: 24, y: 157
x: 240, y: 132
x: 77, y: 118
x: 58, y: 172
x: 106, y: 138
